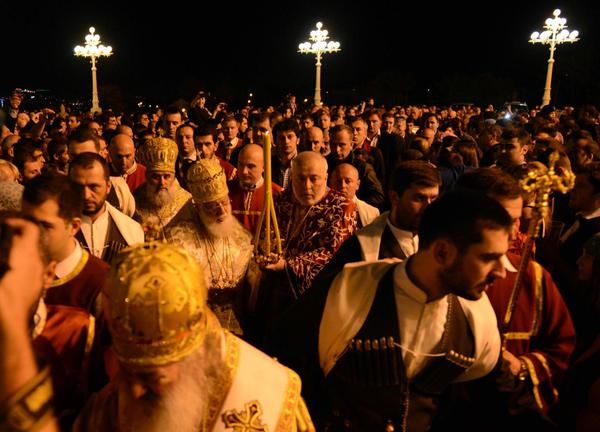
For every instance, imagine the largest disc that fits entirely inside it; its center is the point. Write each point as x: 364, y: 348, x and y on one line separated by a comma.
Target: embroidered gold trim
x: 546, y: 366
x: 517, y: 336
x: 246, y: 212
x: 287, y: 414
x: 85, y: 256
x: 89, y: 341
x: 246, y: 420
x: 31, y: 406
x: 539, y: 298
x: 537, y: 312
x: 165, y: 213
x: 303, y: 420
x: 535, y: 381
x: 223, y: 384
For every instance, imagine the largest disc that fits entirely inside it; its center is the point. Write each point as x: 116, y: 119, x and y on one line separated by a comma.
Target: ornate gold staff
x: 267, y: 255
x: 542, y: 182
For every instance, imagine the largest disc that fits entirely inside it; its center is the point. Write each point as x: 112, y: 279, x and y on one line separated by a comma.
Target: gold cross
x: 247, y: 420
x: 543, y: 181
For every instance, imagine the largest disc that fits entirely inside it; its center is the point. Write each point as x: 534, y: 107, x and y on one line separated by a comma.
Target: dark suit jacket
x: 370, y: 189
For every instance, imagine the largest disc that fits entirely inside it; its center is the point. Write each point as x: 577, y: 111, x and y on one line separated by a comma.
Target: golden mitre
x: 155, y: 297
x: 206, y: 180
x: 158, y: 154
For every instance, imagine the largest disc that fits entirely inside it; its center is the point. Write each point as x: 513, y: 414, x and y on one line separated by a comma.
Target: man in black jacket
x: 342, y: 147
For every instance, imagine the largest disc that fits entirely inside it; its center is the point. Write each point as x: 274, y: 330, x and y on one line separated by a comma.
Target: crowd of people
x: 410, y: 293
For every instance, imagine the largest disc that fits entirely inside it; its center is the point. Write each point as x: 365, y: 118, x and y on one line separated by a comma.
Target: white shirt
x: 421, y: 323
x: 95, y: 233
x: 408, y: 242
x: 573, y: 228
x: 66, y: 266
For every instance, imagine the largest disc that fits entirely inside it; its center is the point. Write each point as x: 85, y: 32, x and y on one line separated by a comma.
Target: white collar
x: 131, y: 170
x: 404, y: 283
x: 192, y: 157
x: 401, y: 234
x: 101, y: 219
x: 67, y: 265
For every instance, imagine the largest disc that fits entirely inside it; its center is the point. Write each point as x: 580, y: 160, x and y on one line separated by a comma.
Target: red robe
x: 540, y: 332
x: 230, y: 170
x: 137, y: 178
x: 247, y: 205
x: 81, y: 287
x: 66, y: 344
x: 310, y: 243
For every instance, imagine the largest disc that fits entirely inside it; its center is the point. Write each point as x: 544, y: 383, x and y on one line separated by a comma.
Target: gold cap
x: 159, y: 154
x: 206, y: 180
x: 155, y: 297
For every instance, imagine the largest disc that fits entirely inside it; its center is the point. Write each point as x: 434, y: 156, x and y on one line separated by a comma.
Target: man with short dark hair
x: 83, y: 140
x: 382, y: 340
x: 187, y: 154
x: 261, y: 124
x: 57, y: 204
x: 205, y: 140
x: 536, y: 328
x: 172, y: 119
x: 104, y: 229
x: 394, y: 234
x: 362, y: 148
x: 29, y: 159
x: 287, y: 138
x: 342, y: 147
x: 231, y: 142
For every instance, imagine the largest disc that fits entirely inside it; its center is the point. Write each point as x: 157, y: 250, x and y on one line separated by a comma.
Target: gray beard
x: 161, y: 198
x: 219, y: 229
x: 182, y: 407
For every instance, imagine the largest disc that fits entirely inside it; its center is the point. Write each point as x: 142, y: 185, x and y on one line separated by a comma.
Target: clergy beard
x: 162, y: 197
x: 181, y: 407
x: 217, y: 229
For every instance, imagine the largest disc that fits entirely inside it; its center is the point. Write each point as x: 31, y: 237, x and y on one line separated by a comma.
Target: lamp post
x: 93, y: 49
x: 319, y: 46
x: 555, y: 33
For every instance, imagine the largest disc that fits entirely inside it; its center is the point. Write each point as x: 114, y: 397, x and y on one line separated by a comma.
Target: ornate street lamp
x: 319, y: 46
x: 555, y: 33
x: 93, y: 49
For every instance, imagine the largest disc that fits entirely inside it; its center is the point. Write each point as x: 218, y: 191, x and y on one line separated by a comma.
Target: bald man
x: 247, y: 190
x: 121, y: 152
x: 314, y: 221
x: 314, y: 140
x: 344, y: 179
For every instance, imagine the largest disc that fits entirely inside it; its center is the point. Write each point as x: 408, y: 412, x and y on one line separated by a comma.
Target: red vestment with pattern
x: 311, y: 240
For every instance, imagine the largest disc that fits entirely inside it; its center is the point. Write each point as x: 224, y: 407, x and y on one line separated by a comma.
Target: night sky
x: 394, y: 51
